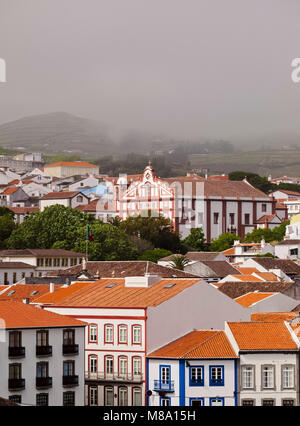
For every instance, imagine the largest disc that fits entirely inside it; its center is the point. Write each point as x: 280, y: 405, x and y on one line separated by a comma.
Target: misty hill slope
x: 56, y: 132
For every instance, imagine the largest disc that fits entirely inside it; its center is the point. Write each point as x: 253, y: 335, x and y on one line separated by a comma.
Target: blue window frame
x: 196, y: 375
x: 216, y: 375
x: 164, y: 401
x: 197, y: 402
x: 164, y: 383
x: 218, y: 401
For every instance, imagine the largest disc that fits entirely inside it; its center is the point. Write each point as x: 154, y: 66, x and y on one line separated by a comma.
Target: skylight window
x: 34, y: 292
x: 110, y: 285
x: 170, y: 285
x: 11, y: 293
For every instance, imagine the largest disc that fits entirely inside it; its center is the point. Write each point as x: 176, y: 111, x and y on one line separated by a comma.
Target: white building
x: 268, y: 363
x: 12, y: 272
x: 240, y: 252
x: 64, y: 198
x: 125, y: 319
x: 43, y: 260
x: 198, y: 369
x: 42, y: 356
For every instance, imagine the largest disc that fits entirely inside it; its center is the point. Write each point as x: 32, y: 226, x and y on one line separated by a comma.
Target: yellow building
x: 70, y: 168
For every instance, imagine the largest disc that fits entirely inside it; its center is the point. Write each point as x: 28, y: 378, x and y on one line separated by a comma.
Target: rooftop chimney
x: 51, y: 287
x: 143, y: 281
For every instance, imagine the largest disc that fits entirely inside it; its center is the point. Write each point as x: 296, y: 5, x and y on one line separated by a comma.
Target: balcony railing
x: 16, y: 351
x: 43, y: 350
x: 164, y: 385
x: 116, y: 377
x: 70, y: 349
x: 16, y: 384
x: 70, y: 380
x: 197, y: 382
x: 43, y: 382
x: 216, y: 382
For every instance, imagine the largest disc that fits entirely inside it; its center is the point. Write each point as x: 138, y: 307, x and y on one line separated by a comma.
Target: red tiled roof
x: 23, y: 210
x: 21, y: 315
x: 71, y: 164
x: 272, y: 316
x: 262, y: 336
x: 9, y: 191
x: 61, y: 194
x: 26, y: 291
x: 197, y: 344
x: 251, y: 299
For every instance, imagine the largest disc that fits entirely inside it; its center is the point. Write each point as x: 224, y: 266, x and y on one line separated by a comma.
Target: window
x: 15, y: 398
x: 15, y: 371
x: 216, y: 375
x: 248, y: 377
x: 122, y: 365
x: 6, y: 278
x: 165, y: 402
x: 294, y: 252
x: 42, y: 338
x: 79, y: 199
x: 15, y: 339
x: 108, y: 396
x: 14, y: 277
x: 42, y: 369
x: 196, y: 376
x: 231, y: 217
x: 288, y: 377
x: 197, y: 402
x: 69, y: 337
x: 93, y: 396
x: 216, y: 218
x: 247, y: 219
x: 23, y: 275
x: 93, y: 363
x: 268, y: 402
x: 268, y: 377
x: 108, y: 333
x: 123, y: 397
x: 68, y: 399
x: 136, y: 397
x: 248, y: 402
x: 109, y: 365
x: 263, y: 207
x: 122, y: 333
x: 136, y: 365
x: 93, y: 333
x: 217, y: 402
x: 288, y: 402
x: 68, y: 368
x: 42, y: 399
x: 136, y: 335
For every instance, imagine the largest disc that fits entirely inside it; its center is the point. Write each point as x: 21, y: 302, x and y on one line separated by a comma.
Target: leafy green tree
x: 258, y: 234
x: 7, y: 226
x: 196, y: 240
x: 57, y: 225
x: 109, y: 243
x: 254, y: 179
x: 158, y: 230
x: 178, y: 261
x: 223, y: 242
x: 154, y: 255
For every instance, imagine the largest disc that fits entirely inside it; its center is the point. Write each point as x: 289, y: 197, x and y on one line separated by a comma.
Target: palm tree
x: 178, y: 261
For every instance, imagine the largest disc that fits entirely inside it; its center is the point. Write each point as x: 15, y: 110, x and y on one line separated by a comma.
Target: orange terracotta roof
x: 60, y: 194
x: 273, y: 316
x: 262, y: 336
x: 247, y: 271
x: 22, y: 315
x: 247, y: 278
x: 197, y: 344
x: 26, y: 291
x: 71, y: 164
x: 23, y: 210
x: 61, y: 294
x: 9, y: 191
x: 267, y: 276
x: 229, y: 251
x: 252, y: 298
x: 97, y: 293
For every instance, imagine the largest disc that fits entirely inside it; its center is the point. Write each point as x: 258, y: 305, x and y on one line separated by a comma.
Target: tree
x: 57, y: 225
x: 223, y: 242
x: 155, y: 255
x: 156, y: 229
x: 178, y: 261
x: 269, y: 235
x: 196, y: 240
x: 254, y: 179
x: 7, y: 226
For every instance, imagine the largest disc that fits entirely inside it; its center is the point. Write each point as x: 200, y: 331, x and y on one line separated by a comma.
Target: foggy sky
x: 184, y: 68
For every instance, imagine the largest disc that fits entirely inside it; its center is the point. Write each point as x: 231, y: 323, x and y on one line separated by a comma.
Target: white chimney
x: 143, y: 281
x: 51, y: 287
x: 26, y: 300
x: 263, y: 243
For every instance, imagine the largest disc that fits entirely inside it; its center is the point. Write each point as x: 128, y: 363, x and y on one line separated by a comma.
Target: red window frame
x: 119, y: 326
x: 89, y: 333
x: 89, y: 364
x: 132, y: 359
x: 132, y: 342
x: 126, y: 357
x: 113, y: 366
x: 113, y: 340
